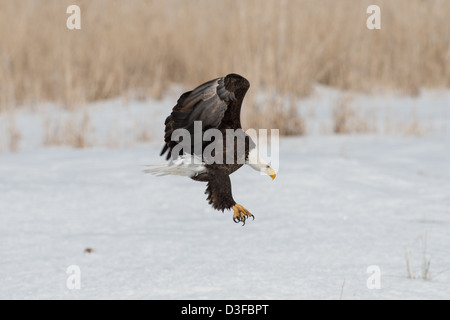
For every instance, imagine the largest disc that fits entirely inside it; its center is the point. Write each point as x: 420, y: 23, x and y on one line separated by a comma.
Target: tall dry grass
x: 283, y: 46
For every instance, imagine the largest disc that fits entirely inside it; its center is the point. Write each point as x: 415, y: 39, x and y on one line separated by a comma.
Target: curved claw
x: 241, y: 214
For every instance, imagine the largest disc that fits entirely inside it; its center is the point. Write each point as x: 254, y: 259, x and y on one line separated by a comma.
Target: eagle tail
x: 186, y: 165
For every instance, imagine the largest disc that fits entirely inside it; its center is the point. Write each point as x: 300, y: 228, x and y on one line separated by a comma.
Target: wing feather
x: 208, y: 103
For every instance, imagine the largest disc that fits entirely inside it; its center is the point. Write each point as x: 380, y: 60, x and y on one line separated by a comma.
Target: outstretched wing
x: 209, y: 103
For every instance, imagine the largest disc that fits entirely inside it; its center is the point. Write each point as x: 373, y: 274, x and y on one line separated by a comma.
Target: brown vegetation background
x: 141, y: 47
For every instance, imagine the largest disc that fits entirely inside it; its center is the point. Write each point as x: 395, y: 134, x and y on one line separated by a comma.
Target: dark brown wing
x: 210, y: 103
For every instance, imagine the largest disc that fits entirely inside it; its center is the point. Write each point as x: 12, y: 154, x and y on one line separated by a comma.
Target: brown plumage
x: 217, y: 104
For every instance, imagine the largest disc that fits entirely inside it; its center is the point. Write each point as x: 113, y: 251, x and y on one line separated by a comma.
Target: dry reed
x: 289, y: 45
x: 74, y: 130
x: 348, y: 119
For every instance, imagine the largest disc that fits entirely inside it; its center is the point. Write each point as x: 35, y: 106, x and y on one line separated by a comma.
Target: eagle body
x: 217, y: 177
x: 215, y: 146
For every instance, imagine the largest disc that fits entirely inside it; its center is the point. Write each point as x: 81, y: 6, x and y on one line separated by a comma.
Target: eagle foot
x: 241, y: 214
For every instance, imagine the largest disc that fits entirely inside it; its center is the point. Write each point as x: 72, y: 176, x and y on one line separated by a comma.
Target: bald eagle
x: 214, y: 106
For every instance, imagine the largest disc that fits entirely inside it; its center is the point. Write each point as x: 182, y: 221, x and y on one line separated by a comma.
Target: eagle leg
x: 241, y: 214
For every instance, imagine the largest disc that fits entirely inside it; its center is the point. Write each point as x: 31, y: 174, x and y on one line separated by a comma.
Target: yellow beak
x: 271, y: 173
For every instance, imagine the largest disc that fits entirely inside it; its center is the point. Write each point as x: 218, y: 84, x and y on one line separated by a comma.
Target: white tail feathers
x: 186, y: 165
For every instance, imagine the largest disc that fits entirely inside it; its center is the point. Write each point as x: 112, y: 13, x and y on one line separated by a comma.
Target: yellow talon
x: 240, y: 214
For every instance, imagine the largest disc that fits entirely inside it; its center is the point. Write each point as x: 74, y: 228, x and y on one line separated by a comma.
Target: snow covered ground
x: 340, y: 206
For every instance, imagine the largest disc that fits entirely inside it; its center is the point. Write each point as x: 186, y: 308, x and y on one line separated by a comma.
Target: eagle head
x: 257, y: 162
